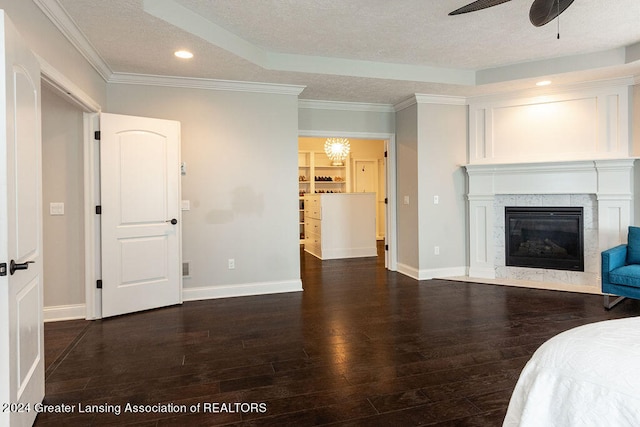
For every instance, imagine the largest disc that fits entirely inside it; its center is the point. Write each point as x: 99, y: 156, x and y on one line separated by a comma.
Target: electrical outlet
x: 232, y: 263
x: 436, y: 250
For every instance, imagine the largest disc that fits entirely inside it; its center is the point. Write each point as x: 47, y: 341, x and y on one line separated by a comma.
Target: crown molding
x: 313, y: 104
x: 67, y: 26
x: 556, y: 90
x: 209, y: 84
x: 405, y: 104
x: 66, y: 87
x: 440, y: 99
x: 419, y: 98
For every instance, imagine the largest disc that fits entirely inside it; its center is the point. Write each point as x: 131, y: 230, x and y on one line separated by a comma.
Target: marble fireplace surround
x: 603, y: 187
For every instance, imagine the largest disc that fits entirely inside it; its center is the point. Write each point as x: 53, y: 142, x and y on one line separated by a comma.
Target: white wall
x: 241, y: 154
x: 62, y: 181
x: 579, y: 124
x: 635, y: 121
x: 635, y: 146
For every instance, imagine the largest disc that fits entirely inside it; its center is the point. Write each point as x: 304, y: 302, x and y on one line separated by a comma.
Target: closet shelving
x: 316, y: 175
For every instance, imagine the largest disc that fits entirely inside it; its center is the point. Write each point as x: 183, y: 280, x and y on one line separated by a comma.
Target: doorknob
x: 13, y: 266
x: 172, y: 221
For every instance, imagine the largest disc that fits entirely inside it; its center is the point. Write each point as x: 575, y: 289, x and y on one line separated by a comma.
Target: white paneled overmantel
x: 591, y: 122
x: 607, y: 181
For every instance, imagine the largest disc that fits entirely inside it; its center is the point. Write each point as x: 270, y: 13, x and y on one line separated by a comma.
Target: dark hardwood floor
x: 361, y: 346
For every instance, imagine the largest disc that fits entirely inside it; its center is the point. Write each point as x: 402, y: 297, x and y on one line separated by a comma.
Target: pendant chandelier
x: 337, y: 150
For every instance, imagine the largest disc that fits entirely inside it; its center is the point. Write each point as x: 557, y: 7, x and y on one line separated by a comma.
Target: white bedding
x: 587, y: 376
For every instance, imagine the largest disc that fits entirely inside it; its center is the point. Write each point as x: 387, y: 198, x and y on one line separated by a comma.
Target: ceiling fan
x: 541, y: 12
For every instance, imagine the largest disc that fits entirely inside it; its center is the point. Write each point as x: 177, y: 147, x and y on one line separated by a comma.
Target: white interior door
x: 366, y: 176
x: 21, y: 321
x: 366, y: 181
x: 140, y: 199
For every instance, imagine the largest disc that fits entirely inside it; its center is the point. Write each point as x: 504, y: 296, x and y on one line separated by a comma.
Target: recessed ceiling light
x: 544, y: 83
x: 183, y: 54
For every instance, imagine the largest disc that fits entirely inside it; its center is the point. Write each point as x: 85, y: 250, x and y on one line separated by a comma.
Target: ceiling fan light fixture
x: 477, y: 5
x: 544, y: 11
x: 183, y: 54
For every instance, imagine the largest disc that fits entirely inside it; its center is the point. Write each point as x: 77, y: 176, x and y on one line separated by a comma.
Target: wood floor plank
x: 360, y: 346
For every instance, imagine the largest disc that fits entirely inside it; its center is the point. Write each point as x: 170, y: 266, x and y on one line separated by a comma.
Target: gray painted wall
x: 312, y: 119
x: 442, y: 151
x: 62, y: 181
x: 241, y: 154
x: 44, y: 39
x: 407, y: 186
x: 432, y: 147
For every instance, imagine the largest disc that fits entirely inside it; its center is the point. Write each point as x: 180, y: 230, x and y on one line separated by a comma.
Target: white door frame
x: 391, y: 257
x: 69, y: 90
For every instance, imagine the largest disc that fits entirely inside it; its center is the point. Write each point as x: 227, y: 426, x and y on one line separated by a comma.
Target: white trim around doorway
x: 69, y: 90
x: 391, y: 258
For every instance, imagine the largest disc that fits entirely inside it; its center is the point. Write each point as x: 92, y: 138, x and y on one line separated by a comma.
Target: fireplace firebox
x: 544, y: 237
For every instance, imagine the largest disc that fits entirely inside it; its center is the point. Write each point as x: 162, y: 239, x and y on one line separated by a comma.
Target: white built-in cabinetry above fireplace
x: 566, y: 149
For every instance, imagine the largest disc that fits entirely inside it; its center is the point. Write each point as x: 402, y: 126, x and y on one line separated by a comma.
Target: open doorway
x: 366, y: 171
x: 63, y: 206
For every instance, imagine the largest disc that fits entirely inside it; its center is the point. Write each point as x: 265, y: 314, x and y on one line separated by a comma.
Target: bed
x: 587, y: 376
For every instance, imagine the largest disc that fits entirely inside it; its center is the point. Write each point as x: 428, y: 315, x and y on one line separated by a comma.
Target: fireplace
x: 544, y: 237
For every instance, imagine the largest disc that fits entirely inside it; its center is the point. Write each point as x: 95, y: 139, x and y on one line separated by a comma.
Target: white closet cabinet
x: 340, y: 225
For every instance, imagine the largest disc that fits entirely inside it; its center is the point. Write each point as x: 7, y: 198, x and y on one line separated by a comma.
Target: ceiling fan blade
x: 545, y: 11
x: 477, y: 5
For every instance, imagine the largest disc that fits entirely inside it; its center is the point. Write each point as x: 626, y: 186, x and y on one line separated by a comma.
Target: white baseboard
x: 58, y: 313
x: 408, y: 271
x: 483, y: 272
x: 443, y: 273
x: 240, y: 290
x: 339, y: 253
x: 431, y: 273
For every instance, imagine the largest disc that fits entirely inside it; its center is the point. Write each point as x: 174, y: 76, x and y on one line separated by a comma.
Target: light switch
x: 406, y: 200
x: 186, y: 205
x: 56, y: 208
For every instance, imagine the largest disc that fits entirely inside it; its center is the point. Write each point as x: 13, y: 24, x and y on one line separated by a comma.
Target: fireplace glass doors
x: 544, y: 237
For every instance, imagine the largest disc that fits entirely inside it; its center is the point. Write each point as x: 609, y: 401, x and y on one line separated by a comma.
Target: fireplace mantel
x: 610, y: 180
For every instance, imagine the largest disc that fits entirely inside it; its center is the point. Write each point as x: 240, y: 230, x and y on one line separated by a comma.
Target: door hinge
x: 386, y: 201
x: 96, y: 135
x: 99, y: 284
x: 385, y: 154
x: 386, y: 247
x: 3, y: 269
x: 98, y: 210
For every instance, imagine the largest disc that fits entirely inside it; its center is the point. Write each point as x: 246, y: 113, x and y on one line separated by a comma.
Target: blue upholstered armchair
x: 621, y: 270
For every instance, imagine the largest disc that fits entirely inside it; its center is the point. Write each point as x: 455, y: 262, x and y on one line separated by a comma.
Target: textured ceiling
x: 363, y: 50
